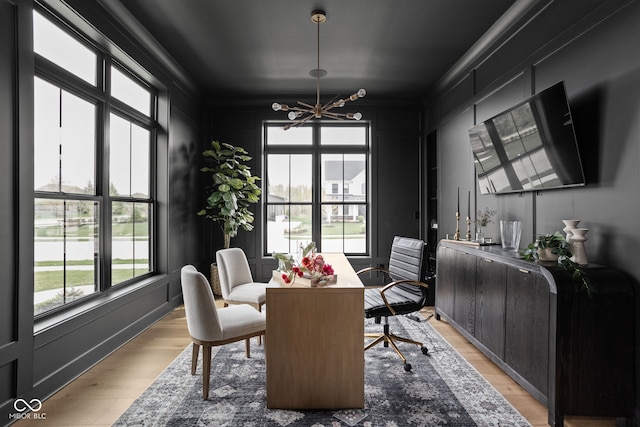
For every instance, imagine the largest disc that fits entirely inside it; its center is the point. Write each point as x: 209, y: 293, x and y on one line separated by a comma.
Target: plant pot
x: 546, y: 255
x: 215, y: 280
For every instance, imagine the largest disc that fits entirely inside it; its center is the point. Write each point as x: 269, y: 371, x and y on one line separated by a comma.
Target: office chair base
x: 390, y: 339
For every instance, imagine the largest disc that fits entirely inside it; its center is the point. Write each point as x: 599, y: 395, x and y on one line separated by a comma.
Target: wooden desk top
x: 347, y: 277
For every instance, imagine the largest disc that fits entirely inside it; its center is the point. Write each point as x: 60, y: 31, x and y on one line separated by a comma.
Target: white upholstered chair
x: 210, y: 326
x: 236, y: 281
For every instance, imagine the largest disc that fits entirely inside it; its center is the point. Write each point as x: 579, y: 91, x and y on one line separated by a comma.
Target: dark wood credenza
x: 573, y: 352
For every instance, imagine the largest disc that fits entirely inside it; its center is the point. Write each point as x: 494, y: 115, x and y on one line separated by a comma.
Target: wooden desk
x: 315, y: 344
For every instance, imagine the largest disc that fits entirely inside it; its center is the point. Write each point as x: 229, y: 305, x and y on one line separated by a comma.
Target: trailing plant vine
x: 559, y: 246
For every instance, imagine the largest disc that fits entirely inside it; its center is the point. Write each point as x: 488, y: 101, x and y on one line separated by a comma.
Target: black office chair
x: 406, y: 293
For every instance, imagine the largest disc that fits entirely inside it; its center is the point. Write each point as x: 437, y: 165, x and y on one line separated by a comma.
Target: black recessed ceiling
x: 253, y: 48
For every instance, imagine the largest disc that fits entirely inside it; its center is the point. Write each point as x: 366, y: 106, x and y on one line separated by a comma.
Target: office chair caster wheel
x: 425, y: 350
x: 407, y: 367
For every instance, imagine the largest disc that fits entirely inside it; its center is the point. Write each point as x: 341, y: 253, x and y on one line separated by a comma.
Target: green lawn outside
x: 48, y: 280
x: 335, y: 228
x: 87, y: 230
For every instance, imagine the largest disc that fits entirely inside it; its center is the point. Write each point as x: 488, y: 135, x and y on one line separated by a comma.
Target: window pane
x: 335, y: 135
x: 130, y: 92
x: 130, y: 242
x: 130, y: 158
x: 62, y: 49
x: 294, y: 136
x: 344, y: 177
x: 78, y: 144
x: 64, y: 137
x: 140, y: 155
x: 289, y: 178
x: 65, y: 251
x: 120, y: 156
x: 287, y: 225
x: 46, y: 136
x: 344, y: 228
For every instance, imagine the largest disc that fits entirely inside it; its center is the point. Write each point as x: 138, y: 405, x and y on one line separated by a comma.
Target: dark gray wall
x: 594, y: 49
x: 39, y: 357
x: 395, y: 175
x: 588, y: 44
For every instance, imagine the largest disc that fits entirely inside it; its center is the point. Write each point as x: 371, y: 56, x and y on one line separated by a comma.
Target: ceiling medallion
x: 304, y: 112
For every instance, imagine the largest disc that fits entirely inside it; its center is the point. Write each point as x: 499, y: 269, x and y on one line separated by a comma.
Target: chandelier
x: 304, y: 112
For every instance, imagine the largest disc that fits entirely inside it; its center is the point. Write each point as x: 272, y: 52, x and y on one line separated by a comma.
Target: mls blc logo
x: 27, y: 410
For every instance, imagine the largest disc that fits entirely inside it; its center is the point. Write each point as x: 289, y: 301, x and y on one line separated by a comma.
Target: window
x: 317, y: 187
x: 130, y: 92
x: 59, y: 47
x: 83, y: 194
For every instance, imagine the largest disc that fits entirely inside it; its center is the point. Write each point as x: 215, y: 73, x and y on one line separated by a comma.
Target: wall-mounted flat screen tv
x: 529, y: 147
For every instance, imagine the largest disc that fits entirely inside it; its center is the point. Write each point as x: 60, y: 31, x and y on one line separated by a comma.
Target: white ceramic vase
x: 570, y: 225
x: 577, y: 246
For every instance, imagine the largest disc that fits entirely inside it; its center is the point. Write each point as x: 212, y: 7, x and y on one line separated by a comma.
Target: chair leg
x: 247, y: 347
x: 194, y: 358
x: 407, y: 340
x: 378, y: 339
x: 389, y: 339
x: 206, y: 370
x: 259, y: 307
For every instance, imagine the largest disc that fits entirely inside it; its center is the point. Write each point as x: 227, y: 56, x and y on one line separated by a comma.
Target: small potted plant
x: 548, y: 247
x: 555, y: 248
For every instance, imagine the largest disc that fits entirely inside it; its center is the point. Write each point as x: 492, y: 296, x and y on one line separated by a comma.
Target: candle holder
x: 457, y: 235
x: 469, y: 228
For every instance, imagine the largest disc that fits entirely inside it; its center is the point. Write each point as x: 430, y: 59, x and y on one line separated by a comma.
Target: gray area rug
x: 442, y: 389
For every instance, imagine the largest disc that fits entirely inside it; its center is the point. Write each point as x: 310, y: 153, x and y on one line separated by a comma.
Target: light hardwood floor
x: 102, y: 394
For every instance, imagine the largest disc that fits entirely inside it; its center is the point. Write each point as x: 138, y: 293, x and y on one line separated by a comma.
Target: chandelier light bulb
x: 357, y: 116
x: 292, y: 115
x: 361, y: 93
x: 275, y: 106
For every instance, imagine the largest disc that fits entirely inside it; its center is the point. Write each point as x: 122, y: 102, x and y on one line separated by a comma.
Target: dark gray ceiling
x: 253, y: 48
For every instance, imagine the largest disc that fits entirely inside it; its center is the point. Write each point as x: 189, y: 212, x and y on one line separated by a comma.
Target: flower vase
x: 479, y: 235
x: 577, y: 246
x: 570, y: 225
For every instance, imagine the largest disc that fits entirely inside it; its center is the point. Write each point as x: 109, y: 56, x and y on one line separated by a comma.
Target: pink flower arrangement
x: 315, y: 265
x: 311, y: 265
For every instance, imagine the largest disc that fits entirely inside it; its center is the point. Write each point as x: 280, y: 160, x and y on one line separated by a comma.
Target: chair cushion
x: 403, y: 298
x: 250, y: 293
x: 239, y: 320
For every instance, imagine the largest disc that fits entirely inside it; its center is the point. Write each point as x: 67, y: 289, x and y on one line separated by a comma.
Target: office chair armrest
x: 394, y: 284
x: 370, y: 269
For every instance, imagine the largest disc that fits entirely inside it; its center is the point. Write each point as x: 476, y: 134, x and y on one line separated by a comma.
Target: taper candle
x: 458, y: 209
x: 469, y: 205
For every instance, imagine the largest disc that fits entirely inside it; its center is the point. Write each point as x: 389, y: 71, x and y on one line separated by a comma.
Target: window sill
x: 93, y: 302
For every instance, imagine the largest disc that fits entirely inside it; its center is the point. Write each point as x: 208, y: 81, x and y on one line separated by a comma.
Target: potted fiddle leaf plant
x: 232, y: 189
